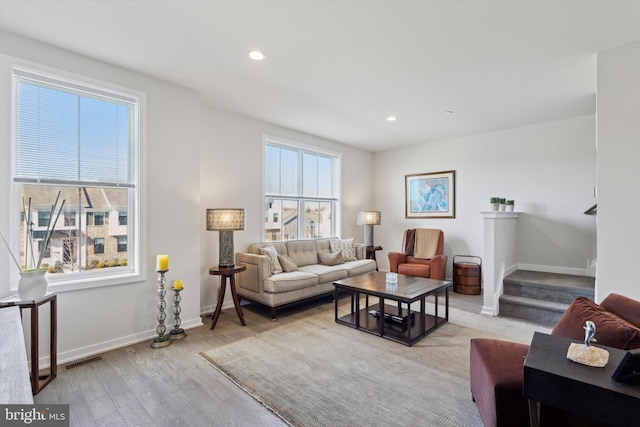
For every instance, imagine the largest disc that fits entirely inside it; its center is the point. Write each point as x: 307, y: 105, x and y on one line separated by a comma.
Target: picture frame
x: 430, y: 195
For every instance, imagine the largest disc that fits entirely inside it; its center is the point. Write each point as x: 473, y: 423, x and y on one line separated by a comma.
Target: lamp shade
x: 225, y: 219
x: 369, y: 218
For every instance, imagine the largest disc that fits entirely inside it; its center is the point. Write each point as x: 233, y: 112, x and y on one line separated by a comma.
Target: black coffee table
x: 552, y: 379
x: 401, y: 324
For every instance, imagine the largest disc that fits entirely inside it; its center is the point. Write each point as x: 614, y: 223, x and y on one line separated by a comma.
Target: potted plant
x: 494, y: 203
x: 510, y: 204
x: 503, y: 205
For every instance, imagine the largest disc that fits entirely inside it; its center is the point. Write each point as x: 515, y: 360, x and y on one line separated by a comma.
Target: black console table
x: 552, y: 379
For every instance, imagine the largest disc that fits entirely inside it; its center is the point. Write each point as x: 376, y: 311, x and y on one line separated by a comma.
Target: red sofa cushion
x: 611, y: 329
x: 625, y: 307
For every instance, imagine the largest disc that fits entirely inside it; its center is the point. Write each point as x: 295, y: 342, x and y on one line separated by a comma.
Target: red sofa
x: 497, y: 367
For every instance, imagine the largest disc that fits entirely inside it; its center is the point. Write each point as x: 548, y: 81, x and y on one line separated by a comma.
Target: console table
x: 38, y: 379
x: 552, y: 379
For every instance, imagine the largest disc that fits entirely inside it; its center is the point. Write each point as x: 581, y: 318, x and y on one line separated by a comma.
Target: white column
x: 499, y: 259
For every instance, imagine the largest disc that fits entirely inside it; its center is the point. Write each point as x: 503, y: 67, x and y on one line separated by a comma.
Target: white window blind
x: 65, y: 135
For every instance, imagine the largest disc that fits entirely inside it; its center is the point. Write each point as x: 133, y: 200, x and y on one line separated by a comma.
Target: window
x: 80, y: 142
x: 98, y: 245
x: 122, y: 243
x: 301, y: 196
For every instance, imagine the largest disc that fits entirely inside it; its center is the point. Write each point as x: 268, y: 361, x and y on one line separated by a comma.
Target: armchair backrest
x: 409, y: 239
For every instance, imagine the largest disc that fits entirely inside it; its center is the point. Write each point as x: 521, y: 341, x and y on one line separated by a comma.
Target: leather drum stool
x: 497, y: 374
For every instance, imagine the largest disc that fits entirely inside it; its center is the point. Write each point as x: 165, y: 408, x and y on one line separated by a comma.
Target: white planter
x: 503, y: 207
x: 494, y: 206
x: 510, y: 208
x: 32, y: 284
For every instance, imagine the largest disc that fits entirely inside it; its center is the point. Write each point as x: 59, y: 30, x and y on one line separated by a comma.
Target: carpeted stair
x: 542, y: 297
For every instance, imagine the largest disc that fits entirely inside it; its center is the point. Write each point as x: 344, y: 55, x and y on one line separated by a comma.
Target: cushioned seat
x: 496, y: 386
x: 429, y: 242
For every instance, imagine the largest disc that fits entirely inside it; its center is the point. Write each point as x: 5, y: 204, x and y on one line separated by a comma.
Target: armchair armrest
x: 438, y: 267
x: 395, y: 259
x: 258, y: 269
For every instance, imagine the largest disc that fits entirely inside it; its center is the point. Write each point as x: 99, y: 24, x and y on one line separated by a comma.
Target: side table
x: 371, y: 253
x: 550, y: 378
x: 227, y: 273
x: 38, y: 379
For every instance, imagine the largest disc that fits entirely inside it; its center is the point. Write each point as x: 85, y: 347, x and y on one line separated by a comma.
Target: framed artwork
x: 430, y: 195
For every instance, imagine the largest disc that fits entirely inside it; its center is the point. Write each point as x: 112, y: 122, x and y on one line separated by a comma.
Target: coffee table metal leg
x: 381, y: 318
x: 357, y: 313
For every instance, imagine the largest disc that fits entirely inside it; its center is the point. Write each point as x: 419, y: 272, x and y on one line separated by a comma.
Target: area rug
x: 315, y: 372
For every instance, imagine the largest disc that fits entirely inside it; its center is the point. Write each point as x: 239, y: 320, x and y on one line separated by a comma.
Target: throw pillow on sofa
x: 331, y: 258
x: 611, y: 330
x: 272, y: 253
x: 287, y: 264
x: 346, y: 246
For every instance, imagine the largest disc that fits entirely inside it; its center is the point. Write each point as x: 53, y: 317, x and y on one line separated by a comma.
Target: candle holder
x: 161, y: 340
x: 177, y: 333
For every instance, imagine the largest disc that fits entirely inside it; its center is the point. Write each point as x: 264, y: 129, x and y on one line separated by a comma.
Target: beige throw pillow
x: 346, y: 246
x: 288, y: 265
x: 331, y: 258
x: 272, y: 253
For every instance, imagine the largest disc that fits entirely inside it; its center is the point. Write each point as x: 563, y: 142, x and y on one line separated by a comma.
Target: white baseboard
x: 92, y: 350
x: 554, y: 269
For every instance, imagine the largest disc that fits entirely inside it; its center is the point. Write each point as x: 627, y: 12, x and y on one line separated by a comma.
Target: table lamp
x: 369, y: 219
x: 225, y: 221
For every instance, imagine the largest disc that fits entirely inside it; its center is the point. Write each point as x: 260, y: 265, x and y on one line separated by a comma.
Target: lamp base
x: 226, y: 249
x: 368, y: 235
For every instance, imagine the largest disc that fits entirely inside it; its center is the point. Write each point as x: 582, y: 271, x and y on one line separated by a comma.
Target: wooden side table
x: 39, y: 380
x: 227, y: 273
x: 371, y: 253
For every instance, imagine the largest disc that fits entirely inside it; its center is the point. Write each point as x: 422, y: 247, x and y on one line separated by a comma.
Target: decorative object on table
x: 628, y: 371
x: 225, y: 221
x: 494, y: 203
x: 33, y: 281
x: 586, y: 354
x: 177, y: 333
x: 162, y: 340
x: 503, y: 205
x: 392, y: 277
x: 368, y: 219
x: 510, y: 205
x: 430, y: 195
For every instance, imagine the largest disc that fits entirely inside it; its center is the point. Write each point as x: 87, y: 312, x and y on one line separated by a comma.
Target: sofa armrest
x: 395, y: 259
x: 438, y: 267
x: 258, y: 269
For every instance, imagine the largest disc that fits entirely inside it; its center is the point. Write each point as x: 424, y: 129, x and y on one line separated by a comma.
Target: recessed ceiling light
x: 448, y: 112
x: 256, y: 55
x: 392, y: 118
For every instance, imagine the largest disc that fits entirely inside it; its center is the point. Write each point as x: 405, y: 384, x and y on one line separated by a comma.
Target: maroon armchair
x: 406, y: 263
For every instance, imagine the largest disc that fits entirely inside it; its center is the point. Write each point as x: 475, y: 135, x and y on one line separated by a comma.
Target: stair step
x: 562, y: 288
x: 541, y: 311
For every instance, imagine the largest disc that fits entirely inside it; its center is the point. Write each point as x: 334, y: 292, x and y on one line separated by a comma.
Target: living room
x: 196, y: 156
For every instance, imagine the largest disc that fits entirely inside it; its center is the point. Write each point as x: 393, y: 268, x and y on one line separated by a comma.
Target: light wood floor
x: 141, y: 386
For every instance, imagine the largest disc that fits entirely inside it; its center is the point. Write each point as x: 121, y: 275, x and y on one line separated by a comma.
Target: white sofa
x: 309, y: 279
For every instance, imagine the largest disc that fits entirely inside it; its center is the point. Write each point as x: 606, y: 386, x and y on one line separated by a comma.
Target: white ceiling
x: 337, y: 69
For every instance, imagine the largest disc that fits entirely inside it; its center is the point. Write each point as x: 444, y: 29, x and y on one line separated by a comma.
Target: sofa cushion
x: 331, y: 258
x: 326, y: 273
x: 272, y: 253
x: 611, y: 329
x: 285, y: 282
x: 302, y: 252
x: 625, y: 307
x: 360, y: 266
x: 288, y: 265
x: 254, y: 248
x: 346, y: 246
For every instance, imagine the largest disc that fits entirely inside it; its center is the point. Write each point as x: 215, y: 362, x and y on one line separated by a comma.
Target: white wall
x: 94, y: 320
x: 619, y: 172
x: 231, y: 170
x: 548, y: 169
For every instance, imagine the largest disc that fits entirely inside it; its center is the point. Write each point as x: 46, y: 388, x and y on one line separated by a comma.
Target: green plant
x: 510, y: 202
x: 123, y: 262
x: 102, y: 264
x: 94, y: 262
x: 503, y: 201
x: 495, y: 200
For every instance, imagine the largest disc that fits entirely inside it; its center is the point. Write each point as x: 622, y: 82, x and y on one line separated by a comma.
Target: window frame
x: 9, y: 190
x: 336, y: 200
